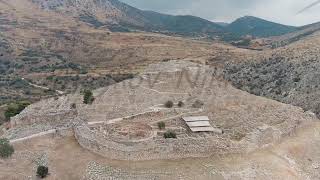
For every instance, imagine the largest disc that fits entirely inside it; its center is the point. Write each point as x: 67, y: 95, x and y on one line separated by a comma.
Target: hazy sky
x: 282, y: 11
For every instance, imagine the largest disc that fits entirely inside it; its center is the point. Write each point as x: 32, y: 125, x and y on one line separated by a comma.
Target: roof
x: 200, y: 124
x: 202, y: 129
x: 206, y: 129
x: 196, y: 118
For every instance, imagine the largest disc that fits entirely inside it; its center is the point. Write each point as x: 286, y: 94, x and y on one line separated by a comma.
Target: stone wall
x: 155, y: 148
x: 65, y: 132
x: 51, y: 112
x: 54, y: 119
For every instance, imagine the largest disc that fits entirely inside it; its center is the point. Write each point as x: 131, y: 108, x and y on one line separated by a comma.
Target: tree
x: 161, y: 125
x: 180, y: 104
x: 73, y: 106
x: 169, y: 134
x: 42, y: 171
x: 168, y: 104
x: 15, y: 108
x: 88, y: 97
x: 197, y: 104
x: 6, y: 149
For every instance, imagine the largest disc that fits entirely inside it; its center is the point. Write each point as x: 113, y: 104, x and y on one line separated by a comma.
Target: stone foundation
x: 155, y: 148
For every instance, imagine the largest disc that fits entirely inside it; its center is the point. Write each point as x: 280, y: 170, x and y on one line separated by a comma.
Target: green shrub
x: 42, y: 171
x: 6, y: 149
x: 197, y: 104
x: 73, y: 106
x: 168, y: 104
x: 170, y: 134
x: 161, y: 125
x: 15, y: 108
x: 88, y: 97
x: 83, y: 71
x: 180, y: 104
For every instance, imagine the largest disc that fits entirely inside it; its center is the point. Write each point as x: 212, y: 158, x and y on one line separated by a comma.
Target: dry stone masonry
x: 122, y: 121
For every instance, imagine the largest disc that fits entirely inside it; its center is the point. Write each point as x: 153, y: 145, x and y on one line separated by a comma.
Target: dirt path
x: 161, y: 92
x: 52, y: 131
x: 42, y: 87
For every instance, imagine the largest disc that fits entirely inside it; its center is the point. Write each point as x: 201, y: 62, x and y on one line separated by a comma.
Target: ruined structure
x: 122, y: 121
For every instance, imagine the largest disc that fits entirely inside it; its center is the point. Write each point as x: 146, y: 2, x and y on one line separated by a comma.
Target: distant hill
x: 223, y: 24
x: 301, y: 33
x: 61, y: 44
x: 185, y: 25
x: 257, y: 27
x: 118, y: 16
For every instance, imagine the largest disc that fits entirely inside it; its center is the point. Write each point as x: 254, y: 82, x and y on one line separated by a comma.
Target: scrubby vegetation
x: 169, y: 104
x: 42, y: 171
x: 169, y: 134
x: 6, y: 149
x: 286, y: 76
x: 241, y: 43
x: 73, y: 106
x: 161, y: 125
x: 15, y: 108
x: 88, y: 97
x: 180, y: 104
x: 197, y: 104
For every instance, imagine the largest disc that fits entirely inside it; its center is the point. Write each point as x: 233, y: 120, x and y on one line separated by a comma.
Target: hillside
x: 98, y: 89
x: 121, y: 124
x: 118, y: 16
x: 289, y: 74
x: 249, y: 25
x: 68, y: 45
x: 299, y: 34
x: 49, y: 43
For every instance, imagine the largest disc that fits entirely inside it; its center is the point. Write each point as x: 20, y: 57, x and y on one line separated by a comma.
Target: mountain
x: 119, y: 16
x: 301, y: 33
x: 223, y: 24
x: 257, y: 27
x: 184, y: 25
x: 63, y: 45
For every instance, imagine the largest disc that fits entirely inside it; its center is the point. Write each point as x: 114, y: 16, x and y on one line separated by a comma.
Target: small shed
x: 200, y: 124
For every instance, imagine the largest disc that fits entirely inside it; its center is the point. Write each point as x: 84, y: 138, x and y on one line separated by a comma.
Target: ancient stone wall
x: 57, y: 118
x: 155, y: 148
x: 51, y: 112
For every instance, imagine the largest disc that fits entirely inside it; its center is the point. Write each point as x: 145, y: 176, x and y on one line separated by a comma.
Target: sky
x: 281, y: 11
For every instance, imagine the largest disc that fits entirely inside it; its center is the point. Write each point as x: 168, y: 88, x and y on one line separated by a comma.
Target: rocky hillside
x: 118, y: 16
x: 299, y: 34
x: 289, y: 74
x: 257, y: 27
x: 66, y: 44
x: 55, y: 46
x: 254, y: 26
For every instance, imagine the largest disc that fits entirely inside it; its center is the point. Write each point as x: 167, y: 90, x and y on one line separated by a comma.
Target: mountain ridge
x: 250, y: 25
x: 117, y: 15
